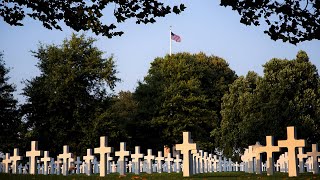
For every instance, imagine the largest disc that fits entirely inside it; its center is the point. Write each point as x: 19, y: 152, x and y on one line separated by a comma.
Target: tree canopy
x: 10, y: 122
x: 70, y: 95
x: 85, y: 15
x: 290, y: 20
x: 287, y: 95
x: 183, y: 92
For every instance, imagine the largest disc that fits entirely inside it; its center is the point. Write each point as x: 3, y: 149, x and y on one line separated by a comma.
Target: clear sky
x: 203, y: 26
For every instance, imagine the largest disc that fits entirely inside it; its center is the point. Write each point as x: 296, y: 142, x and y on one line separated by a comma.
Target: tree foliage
x: 10, y: 123
x: 183, y: 92
x: 69, y: 95
x: 254, y: 107
x: 85, y: 15
x: 291, y: 20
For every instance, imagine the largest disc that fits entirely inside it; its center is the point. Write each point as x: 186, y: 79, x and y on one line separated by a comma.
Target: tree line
x: 72, y: 102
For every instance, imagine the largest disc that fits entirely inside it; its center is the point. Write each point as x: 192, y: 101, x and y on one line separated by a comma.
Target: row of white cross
x: 291, y: 143
x: 194, y: 160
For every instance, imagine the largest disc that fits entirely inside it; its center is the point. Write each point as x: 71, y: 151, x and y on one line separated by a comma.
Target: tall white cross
x: 292, y: 143
x: 314, y: 154
x: 149, y: 158
x: 103, y: 150
x: 65, y: 156
x: 301, y: 156
x: 122, y: 154
x: 33, y: 154
x: 88, y: 159
x: 15, y: 158
x: 45, y: 161
x: 185, y: 149
x: 159, y: 160
x: 136, y: 159
x: 6, y: 162
x: 270, y: 148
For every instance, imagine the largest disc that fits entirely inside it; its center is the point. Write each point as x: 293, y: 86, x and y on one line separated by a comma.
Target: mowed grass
x: 159, y: 176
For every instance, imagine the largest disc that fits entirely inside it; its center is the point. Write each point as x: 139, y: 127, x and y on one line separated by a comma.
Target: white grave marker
x: 314, y: 155
x: 185, y: 149
x: 136, y: 159
x: 103, y: 150
x: 45, y: 161
x: 88, y: 159
x: 292, y: 143
x: 122, y: 154
x: 15, y: 158
x: 33, y: 154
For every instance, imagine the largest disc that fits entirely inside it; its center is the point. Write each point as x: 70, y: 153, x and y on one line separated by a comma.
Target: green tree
x: 183, y: 92
x: 70, y: 93
x: 287, y: 95
x: 118, y: 120
x: 85, y: 15
x: 237, y: 111
x: 10, y: 121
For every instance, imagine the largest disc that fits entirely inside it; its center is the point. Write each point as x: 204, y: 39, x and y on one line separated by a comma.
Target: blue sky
x: 204, y: 26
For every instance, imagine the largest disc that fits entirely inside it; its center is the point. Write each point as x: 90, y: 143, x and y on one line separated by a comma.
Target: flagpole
x: 170, y: 41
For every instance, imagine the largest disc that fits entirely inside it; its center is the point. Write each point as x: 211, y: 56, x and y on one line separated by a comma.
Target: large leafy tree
x: 69, y: 95
x: 83, y: 14
x: 287, y: 95
x: 183, y: 92
x: 290, y: 20
x: 10, y: 121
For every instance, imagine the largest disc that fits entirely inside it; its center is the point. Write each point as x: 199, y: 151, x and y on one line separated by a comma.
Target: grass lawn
x: 143, y: 176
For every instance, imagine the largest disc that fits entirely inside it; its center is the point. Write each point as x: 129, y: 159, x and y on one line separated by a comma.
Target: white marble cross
x: 149, y: 159
x: 205, y: 162
x: 65, y: 157
x: 122, y: 154
x: 168, y: 160
x: 88, y: 159
x: 103, y: 150
x: 78, y: 163
x: 95, y: 164
x: 159, y: 160
x: 52, y: 165
x: 177, y: 162
x: 7, y: 163
x: 15, y: 158
x: 292, y: 143
x: 109, y: 159
x: 20, y: 167
x: 136, y: 159
x: 113, y: 167
x: 314, y: 155
x: 257, y: 153
x: 45, y: 161
x: 301, y: 156
x: 200, y: 161
x: 270, y: 148
x: 33, y: 154
x: 185, y: 149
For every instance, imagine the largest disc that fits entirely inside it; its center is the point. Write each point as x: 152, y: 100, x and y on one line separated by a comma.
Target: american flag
x: 175, y: 37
